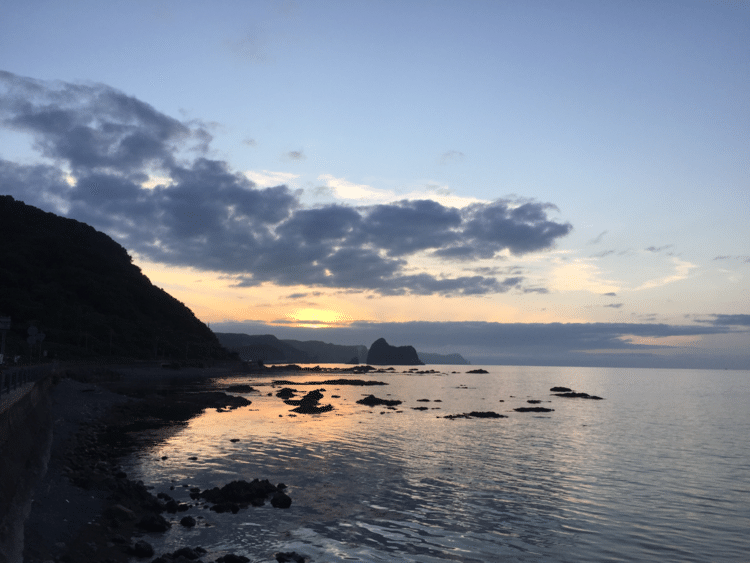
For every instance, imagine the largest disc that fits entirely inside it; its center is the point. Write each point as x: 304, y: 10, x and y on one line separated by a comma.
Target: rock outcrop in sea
x: 383, y: 354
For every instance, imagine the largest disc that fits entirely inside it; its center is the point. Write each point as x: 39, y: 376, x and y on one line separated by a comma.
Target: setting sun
x: 317, y: 318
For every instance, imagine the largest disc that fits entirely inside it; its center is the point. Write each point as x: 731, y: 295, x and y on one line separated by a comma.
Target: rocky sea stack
x: 383, y: 354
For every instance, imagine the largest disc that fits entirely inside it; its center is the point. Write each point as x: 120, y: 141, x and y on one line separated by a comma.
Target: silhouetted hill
x: 432, y: 358
x: 81, y: 289
x: 324, y: 353
x: 265, y: 347
x: 381, y: 354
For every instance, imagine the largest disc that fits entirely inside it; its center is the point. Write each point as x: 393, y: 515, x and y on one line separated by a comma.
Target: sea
x: 658, y: 470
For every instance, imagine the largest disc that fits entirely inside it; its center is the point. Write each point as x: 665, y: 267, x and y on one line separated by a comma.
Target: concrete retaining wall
x: 25, y: 436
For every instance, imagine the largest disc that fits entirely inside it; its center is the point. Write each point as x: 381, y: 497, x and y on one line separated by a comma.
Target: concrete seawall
x: 25, y: 438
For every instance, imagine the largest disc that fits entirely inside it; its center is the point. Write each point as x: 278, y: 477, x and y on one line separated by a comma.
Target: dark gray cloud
x: 296, y: 155
x: 610, y: 294
x: 614, y: 305
x: 659, y: 248
x: 582, y: 344
x: 207, y: 216
x: 729, y: 320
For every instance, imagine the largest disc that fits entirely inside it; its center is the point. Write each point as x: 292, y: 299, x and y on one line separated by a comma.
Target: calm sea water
x: 658, y: 471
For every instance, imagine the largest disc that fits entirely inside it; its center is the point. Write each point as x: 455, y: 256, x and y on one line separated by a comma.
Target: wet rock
x: 560, y: 390
x: 574, y: 395
x: 477, y: 371
x: 234, y: 440
x: 420, y: 408
x: 533, y: 401
x: 240, y: 389
x: 119, y: 513
x: 309, y: 404
x: 281, y: 500
x: 476, y: 414
x: 286, y: 393
x: 290, y: 557
x: 187, y: 521
x: 232, y: 558
x: 533, y: 409
x: 233, y: 495
x: 153, y: 523
x: 142, y: 549
x: 372, y: 400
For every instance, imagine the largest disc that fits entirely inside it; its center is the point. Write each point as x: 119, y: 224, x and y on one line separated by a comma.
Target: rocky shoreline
x: 85, y: 508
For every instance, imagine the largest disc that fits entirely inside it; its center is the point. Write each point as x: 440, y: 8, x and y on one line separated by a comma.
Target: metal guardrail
x: 12, y: 378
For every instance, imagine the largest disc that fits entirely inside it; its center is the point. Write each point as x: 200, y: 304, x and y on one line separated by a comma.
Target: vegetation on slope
x: 81, y: 289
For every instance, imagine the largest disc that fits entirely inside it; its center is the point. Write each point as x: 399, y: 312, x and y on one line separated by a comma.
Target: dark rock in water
x: 181, y: 555
x: 383, y: 354
x: 234, y: 440
x: 533, y: 401
x: 420, y: 408
x: 286, y: 393
x: 232, y: 558
x: 142, y: 549
x: 312, y: 409
x: 478, y: 371
x: 476, y: 414
x: 290, y: 557
x: 188, y: 521
x: 560, y: 390
x: 281, y: 500
x: 309, y: 403
x: 372, y: 400
x: 533, y: 409
x: 238, y: 493
x: 154, y: 523
x: 240, y: 389
x: 574, y: 395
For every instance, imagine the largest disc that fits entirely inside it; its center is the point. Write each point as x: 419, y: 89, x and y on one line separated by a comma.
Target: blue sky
x: 480, y: 162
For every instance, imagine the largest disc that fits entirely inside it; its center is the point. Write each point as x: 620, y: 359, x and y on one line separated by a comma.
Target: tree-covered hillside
x: 81, y: 289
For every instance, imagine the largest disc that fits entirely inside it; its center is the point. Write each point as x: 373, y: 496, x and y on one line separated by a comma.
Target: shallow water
x: 658, y: 471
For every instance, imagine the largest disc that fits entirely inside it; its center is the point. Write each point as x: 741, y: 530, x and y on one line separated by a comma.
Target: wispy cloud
x: 451, y: 156
x: 268, y: 178
x: 681, y: 272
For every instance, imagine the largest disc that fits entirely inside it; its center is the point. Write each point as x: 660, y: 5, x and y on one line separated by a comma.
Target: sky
x: 542, y: 182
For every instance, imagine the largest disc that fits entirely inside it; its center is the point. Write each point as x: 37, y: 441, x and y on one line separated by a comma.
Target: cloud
x: 659, y: 248
x: 598, y: 238
x: 741, y: 258
x: 623, y: 344
x: 730, y: 320
x: 250, y: 142
x: 296, y: 155
x: 614, y: 305
x: 344, y: 189
x: 268, y: 178
x: 682, y: 270
x: 451, y: 156
x: 610, y: 294
x: 121, y: 166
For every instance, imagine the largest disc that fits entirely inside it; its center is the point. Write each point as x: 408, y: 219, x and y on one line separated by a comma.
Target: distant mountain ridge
x: 81, y: 289
x: 273, y: 350
x: 446, y: 359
